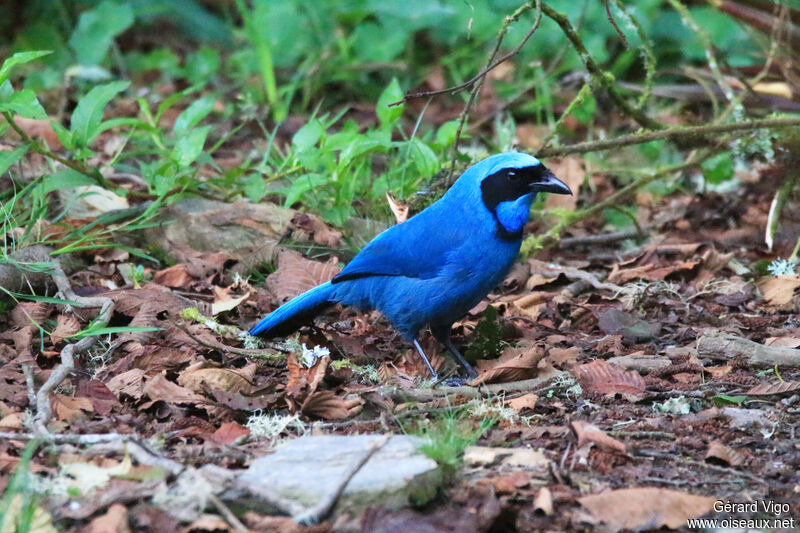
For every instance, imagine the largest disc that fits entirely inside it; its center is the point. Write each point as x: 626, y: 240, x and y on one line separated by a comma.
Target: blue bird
x: 434, y: 267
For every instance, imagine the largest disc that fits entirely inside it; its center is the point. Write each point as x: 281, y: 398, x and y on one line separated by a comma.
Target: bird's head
x: 508, y: 184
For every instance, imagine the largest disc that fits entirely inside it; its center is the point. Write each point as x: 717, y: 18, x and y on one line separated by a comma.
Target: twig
x: 74, y: 165
x: 600, y: 238
x: 492, y: 64
x: 671, y: 133
x: 59, y: 373
x: 322, y: 510
x: 28, y: 371
x: 226, y: 513
x: 599, y: 76
x: 535, y: 242
x: 68, y: 438
x: 103, y: 443
x: 269, y: 357
x: 425, y: 395
x: 614, y: 23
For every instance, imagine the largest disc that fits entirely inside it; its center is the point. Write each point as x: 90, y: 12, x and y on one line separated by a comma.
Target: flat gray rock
x: 308, y: 469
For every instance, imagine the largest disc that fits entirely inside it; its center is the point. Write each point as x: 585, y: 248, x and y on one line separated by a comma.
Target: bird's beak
x: 550, y: 183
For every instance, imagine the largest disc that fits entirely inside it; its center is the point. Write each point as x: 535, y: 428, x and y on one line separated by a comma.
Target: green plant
x: 445, y: 437
x: 19, y: 506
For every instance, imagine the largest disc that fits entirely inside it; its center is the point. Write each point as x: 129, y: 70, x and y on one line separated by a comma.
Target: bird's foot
x: 457, y: 381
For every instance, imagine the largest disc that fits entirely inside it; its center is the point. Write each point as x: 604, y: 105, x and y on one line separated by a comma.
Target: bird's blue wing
x: 416, y: 248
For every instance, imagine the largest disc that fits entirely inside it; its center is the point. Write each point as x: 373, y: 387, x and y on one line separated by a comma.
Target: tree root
x: 43, y: 409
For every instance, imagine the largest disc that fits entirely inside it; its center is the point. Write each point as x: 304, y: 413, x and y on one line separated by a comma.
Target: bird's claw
x: 456, y: 381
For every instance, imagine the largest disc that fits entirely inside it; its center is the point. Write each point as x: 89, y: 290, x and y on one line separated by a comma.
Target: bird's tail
x: 295, y: 312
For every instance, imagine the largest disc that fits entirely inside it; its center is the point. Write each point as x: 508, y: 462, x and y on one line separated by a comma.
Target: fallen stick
x: 322, y: 510
x: 43, y: 408
x: 725, y: 346
x: 426, y: 395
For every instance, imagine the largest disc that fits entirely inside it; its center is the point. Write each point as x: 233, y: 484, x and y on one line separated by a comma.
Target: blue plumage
x: 434, y: 267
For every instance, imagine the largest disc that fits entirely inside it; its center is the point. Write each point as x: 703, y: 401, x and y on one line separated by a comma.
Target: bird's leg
x: 434, y: 375
x: 460, y: 358
x: 442, y: 334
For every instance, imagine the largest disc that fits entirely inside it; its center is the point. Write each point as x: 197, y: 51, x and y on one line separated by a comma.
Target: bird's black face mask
x: 508, y: 184
x: 511, y: 184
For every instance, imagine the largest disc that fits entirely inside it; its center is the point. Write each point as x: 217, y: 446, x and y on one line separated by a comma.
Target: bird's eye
x: 513, y: 176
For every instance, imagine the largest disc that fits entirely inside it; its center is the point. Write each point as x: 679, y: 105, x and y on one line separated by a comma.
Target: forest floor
x: 654, y: 362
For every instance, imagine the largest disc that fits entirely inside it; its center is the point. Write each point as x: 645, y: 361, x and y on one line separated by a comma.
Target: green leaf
x: 97, y: 28
x: 18, y: 59
x: 8, y: 158
x: 47, y: 299
x: 201, y: 65
x: 88, y: 114
x: 254, y: 187
x: 66, y: 178
x: 24, y: 103
x: 446, y: 134
x: 190, y: 146
x: 387, y: 116
x: 718, y: 168
x: 63, y: 135
x: 302, y: 185
x: 91, y: 332
x: 423, y: 157
x: 726, y: 399
x: 193, y: 114
x: 308, y: 135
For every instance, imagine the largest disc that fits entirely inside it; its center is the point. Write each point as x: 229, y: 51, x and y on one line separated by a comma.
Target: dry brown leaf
x: 303, y: 381
x: 129, y: 383
x: 39, y: 128
x: 156, y: 358
x: 606, y: 379
x: 29, y: 314
x: 779, y: 290
x: 720, y: 452
x: 115, y: 520
x: 526, y: 401
x: 317, y: 229
x: 326, y: 404
x: 543, y: 502
x: 208, y: 523
x: 645, y: 508
x: 175, y: 276
x: 651, y: 272
x: 400, y: 210
x: 229, y: 433
x: 296, y: 274
x: 570, y: 170
x: 783, y: 342
x: 227, y: 379
x: 511, y: 483
x: 103, y: 400
x: 66, y: 326
x: 532, y: 303
x: 515, y: 364
x: 160, y: 388
x: 69, y: 407
x: 129, y: 301
x: 564, y: 357
x: 223, y: 301
x: 765, y: 389
x: 590, y: 434
x: 145, y: 317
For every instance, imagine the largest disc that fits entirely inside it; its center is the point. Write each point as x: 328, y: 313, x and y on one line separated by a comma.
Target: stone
x: 306, y: 470
x: 247, y: 232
